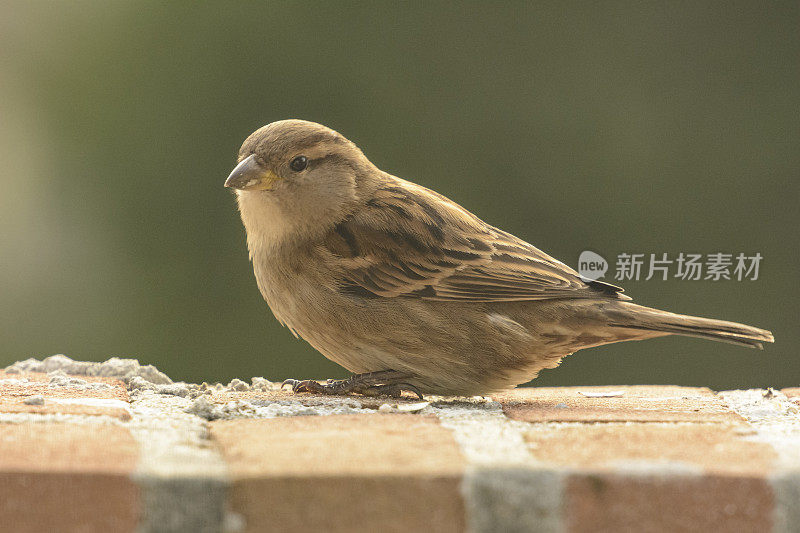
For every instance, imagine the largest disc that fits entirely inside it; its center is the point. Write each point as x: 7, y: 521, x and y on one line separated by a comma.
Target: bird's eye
x: 299, y: 163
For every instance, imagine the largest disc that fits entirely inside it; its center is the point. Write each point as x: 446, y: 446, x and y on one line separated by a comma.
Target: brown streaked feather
x: 415, y: 243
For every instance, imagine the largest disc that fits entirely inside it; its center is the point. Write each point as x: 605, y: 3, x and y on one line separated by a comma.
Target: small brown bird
x: 407, y: 289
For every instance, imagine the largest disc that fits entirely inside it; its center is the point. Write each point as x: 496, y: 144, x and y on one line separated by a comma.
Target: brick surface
x: 654, y: 459
x: 654, y: 504
x: 67, y: 477
x: 369, y: 472
x: 86, y: 396
x: 304, y: 398
x: 635, y: 404
x: 793, y: 393
x: 644, y: 458
x: 692, y: 448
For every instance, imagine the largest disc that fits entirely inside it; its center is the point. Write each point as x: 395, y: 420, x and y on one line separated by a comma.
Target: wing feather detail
x: 414, y: 243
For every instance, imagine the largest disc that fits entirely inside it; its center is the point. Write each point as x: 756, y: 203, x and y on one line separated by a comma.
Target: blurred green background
x: 615, y: 127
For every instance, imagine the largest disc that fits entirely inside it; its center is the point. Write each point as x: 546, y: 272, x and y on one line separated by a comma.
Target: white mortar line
x: 776, y: 421
x: 183, y: 477
x: 504, y: 488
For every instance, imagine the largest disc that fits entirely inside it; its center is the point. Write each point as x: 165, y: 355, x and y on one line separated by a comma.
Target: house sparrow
x: 407, y: 289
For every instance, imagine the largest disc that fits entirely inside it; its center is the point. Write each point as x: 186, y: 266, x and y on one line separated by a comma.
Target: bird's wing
x: 414, y: 243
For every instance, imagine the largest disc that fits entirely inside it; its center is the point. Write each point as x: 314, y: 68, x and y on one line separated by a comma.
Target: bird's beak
x: 250, y: 175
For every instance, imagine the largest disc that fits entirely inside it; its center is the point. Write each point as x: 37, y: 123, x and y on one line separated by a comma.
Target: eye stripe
x: 316, y: 138
x: 336, y: 159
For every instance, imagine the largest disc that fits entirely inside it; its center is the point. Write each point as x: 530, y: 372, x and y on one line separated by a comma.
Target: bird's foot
x: 384, y: 383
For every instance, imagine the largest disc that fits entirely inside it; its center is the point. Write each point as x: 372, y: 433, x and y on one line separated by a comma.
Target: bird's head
x: 298, y: 176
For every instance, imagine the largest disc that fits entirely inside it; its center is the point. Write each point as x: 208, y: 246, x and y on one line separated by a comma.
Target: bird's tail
x: 637, y: 317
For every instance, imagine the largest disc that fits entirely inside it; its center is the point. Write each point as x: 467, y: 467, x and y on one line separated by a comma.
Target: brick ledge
x: 246, y: 456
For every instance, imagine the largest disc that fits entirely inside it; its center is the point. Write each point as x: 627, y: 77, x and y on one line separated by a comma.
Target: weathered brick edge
x: 521, y: 495
x: 186, y: 485
x: 775, y: 419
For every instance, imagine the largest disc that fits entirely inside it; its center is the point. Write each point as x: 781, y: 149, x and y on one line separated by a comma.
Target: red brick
x: 304, y: 398
x: 647, y: 504
x: 793, y: 393
x: 344, y: 473
x: 15, y: 388
x: 708, y: 448
x: 659, y: 477
x: 636, y: 404
x: 66, y: 477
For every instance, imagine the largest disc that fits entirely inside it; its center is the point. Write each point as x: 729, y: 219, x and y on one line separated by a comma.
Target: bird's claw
x: 305, y: 385
x: 292, y: 382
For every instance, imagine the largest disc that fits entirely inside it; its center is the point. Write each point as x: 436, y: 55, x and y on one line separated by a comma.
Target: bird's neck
x: 274, y: 227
